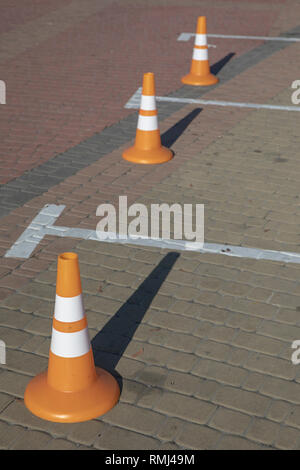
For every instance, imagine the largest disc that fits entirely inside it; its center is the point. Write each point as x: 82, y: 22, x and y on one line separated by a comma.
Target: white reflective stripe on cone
x: 200, y: 40
x: 148, y: 103
x: 200, y: 54
x: 68, y: 309
x: 147, y: 123
x: 70, y: 344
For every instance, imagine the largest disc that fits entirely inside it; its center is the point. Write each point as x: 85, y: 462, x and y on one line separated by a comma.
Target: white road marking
x: 134, y: 103
x: 42, y: 225
x: 188, y: 36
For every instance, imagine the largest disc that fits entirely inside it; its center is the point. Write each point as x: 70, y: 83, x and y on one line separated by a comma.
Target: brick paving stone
x: 170, y: 428
x: 287, y: 439
x: 229, y: 442
x: 181, y: 342
x: 278, y: 411
x: 182, y: 362
x: 243, y: 322
x: 46, y: 277
x: 198, y: 437
x: 153, y: 376
x: 241, y: 400
x: 169, y: 446
x: 213, y: 350
x: 39, y: 326
x: 13, y: 383
x: 253, y: 382
x: 9, y: 434
x: 259, y: 343
x: 36, y: 289
x: 174, y: 322
x: 60, y: 444
x: 86, y: 432
x: 136, y: 392
x: 149, y: 353
x: 134, y: 418
x: 13, y: 338
x: 4, y: 399
x: 230, y: 421
x: 184, y: 407
x: 220, y: 372
x: 286, y: 315
x: 283, y: 389
x: 122, y: 439
x: 293, y: 418
x: 183, y: 383
x: 259, y: 309
x: 279, y: 331
x: 271, y: 366
x: 150, y: 397
x: 25, y: 303
x: 129, y: 367
x: 35, y: 343
x: 13, y: 281
x: 31, y: 440
x: 25, y: 362
x: 17, y: 414
x: 263, y: 430
x: 222, y: 334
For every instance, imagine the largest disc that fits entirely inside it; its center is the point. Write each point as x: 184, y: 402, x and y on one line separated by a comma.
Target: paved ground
x: 200, y: 342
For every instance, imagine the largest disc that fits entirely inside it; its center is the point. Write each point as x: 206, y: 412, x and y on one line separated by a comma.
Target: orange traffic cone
x: 147, y: 148
x: 200, y: 74
x: 72, y: 389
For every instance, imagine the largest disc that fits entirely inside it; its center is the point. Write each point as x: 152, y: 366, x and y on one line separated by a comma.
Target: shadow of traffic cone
x: 147, y: 148
x: 200, y: 74
x: 72, y: 389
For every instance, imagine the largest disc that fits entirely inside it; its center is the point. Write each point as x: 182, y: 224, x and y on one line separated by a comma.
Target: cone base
x: 148, y: 157
x: 197, y: 80
x: 72, y: 407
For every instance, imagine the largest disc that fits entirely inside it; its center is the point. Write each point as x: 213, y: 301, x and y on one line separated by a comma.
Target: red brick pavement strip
x: 65, y: 85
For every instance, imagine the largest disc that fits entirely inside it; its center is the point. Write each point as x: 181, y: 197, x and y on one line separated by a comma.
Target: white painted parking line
x: 134, y: 103
x: 42, y: 225
x: 188, y: 36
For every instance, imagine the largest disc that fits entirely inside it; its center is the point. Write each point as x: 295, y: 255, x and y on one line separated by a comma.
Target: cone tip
x: 148, y: 84
x: 201, y: 25
x: 68, y: 282
x: 68, y: 256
